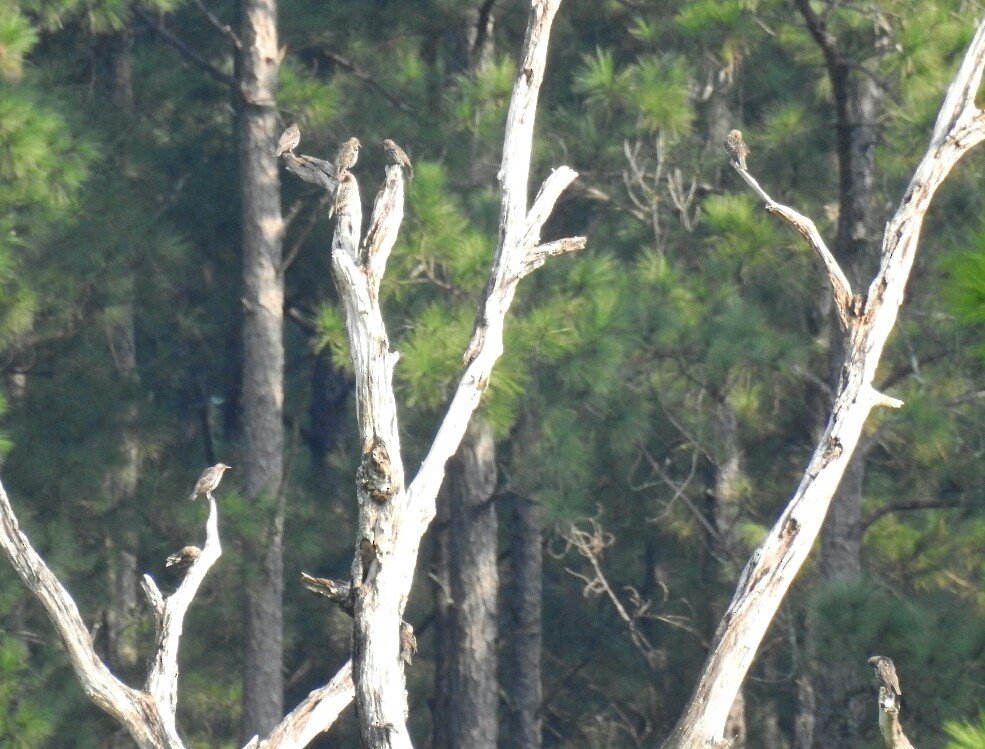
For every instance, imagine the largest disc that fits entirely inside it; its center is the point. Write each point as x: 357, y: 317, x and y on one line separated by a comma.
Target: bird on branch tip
x: 347, y: 156
x: 289, y: 140
x: 184, y: 558
x: 396, y: 155
x: 209, y: 480
x: 886, y: 674
x: 736, y: 148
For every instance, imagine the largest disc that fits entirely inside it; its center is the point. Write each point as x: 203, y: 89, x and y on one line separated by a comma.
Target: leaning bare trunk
x: 524, y: 654
x: 261, y: 459
x: 466, y: 704
x: 725, y: 505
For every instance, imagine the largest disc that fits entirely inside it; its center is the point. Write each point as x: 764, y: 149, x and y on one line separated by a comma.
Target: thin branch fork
x: 772, y: 567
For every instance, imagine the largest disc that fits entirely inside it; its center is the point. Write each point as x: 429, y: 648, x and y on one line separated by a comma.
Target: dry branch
x: 149, y: 716
x: 769, y: 573
x: 393, y: 517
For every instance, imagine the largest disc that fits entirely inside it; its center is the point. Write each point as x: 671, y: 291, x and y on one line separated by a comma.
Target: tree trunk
x: 122, y: 615
x: 261, y: 459
x: 837, y: 689
x: 524, y: 655
x: 466, y: 684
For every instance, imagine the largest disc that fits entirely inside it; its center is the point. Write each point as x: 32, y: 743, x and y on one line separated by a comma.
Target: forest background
x: 659, y: 397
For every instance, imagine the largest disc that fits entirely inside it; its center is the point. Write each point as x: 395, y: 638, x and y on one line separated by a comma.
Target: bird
x: 396, y: 155
x: 408, y: 643
x: 289, y: 140
x: 184, y: 558
x: 209, y: 480
x: 347, y: 156
x: 736, y: 148
x: 342, y: 193
x: 886, y: 674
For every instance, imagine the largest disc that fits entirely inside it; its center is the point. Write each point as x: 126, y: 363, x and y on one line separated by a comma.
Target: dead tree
x: 866, y: 320
x: 393, y: 514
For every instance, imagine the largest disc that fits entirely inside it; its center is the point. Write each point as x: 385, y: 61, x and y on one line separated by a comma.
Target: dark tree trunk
x: 466, y: 694
x: 836, y: 689
x: 523, y: 681
x: 121, y: 481
x: 261, y: 459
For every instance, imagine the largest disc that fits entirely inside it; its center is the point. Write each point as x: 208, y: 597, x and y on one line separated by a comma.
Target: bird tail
x: 193, y: 497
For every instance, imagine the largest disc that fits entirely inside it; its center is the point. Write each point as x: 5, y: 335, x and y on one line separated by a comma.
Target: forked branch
x: 769, y: 573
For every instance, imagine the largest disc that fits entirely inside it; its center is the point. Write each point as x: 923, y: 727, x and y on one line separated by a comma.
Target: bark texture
x: 261, y: 459
x: 523, y: 682
x: 467, y: 714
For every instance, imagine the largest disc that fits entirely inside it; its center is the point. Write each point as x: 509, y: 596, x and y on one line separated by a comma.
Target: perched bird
x: 209, y: 480
x: 185, y: 558
x: 342, y: 193
x: 886, y: 674
x: 736, y: 148
x: 408, y: 643
x: 395, y: 155
x: 347, y: 156
x: 289, y: 140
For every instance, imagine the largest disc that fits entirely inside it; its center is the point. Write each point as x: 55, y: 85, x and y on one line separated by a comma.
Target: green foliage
x: 966, y: 734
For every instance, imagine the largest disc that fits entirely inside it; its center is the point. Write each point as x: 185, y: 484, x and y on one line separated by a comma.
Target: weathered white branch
x: 315, y: 714
x: 516, y: 256
x: 149, y: 716
x: 769, y: 573
x: 162, y: 681
x: 847, y: 307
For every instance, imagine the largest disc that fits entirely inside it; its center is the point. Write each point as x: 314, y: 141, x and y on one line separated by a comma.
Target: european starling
x: 736, y: 148
x: 289, y: 140
x: 209, y: 480
x: 886, y: 674
x: 408, y: 643
x: 185, y: 558
x: 395, y: 155
x: 347, y: 156
x: 342, y: 193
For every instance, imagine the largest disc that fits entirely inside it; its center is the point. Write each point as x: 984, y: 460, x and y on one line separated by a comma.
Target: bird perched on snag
x: 209, y: 480
x: 347, y: 156
x: 184, y: 558
x: 396, y: 155
x: 886, y: 674
x: 736, y: 148
x: 289, y: 140
x: 342, y: 194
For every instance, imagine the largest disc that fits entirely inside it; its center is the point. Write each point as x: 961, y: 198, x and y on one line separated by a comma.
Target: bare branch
x: 190, y: 54
x: 315, y: 714
x: 848, y: 308
x: 147, y: 716
x: 769, y: 573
